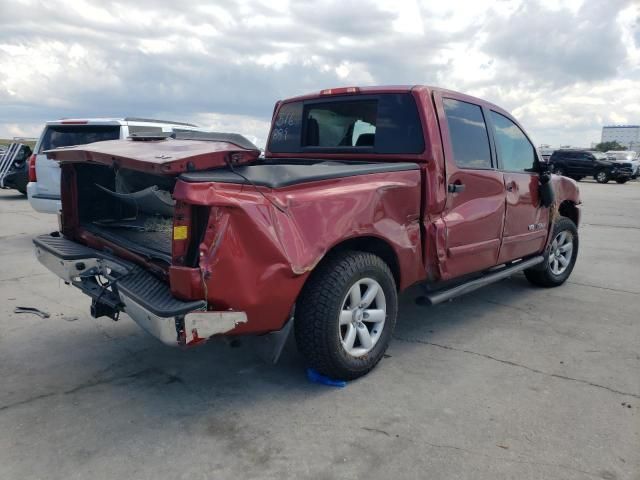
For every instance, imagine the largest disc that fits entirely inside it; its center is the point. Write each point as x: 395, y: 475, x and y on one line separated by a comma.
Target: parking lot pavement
x: 509, y: 382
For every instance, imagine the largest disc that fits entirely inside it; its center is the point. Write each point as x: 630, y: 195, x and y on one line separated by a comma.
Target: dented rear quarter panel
x: 258, y: 252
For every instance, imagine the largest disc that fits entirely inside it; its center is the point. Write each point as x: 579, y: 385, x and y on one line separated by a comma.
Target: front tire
x: 560, y: 256
x: 622, y: 180
x: 346, y: 314
x: 601, y: 177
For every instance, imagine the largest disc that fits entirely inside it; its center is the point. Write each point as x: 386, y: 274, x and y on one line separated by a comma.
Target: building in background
x: 626, y: 135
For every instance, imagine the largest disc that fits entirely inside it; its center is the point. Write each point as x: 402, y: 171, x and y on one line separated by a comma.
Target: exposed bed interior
x: 131, y: 209
x: 135, y: 209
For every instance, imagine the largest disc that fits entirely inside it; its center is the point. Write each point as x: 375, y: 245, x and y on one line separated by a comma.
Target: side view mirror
x: 545, y: 190
x: 543, y: 167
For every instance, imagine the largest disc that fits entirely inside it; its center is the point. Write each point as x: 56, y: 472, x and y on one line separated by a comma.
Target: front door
x: 588, y: 165
x: 526, y: 221
x: 573, y: 162
x: 581, y: 164
x: 474, y: 213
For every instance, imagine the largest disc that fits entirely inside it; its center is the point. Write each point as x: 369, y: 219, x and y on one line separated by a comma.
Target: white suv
x: 626, y: 156
x: 43, y: 188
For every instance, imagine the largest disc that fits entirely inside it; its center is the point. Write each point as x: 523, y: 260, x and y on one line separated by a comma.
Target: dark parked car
x: 577, y: 164
x: 14, y: 167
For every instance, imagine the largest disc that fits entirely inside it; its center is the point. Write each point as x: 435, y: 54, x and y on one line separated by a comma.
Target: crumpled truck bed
x: 262, y: 243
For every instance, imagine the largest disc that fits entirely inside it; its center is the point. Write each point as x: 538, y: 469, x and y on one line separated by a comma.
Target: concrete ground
x: 509, y: 382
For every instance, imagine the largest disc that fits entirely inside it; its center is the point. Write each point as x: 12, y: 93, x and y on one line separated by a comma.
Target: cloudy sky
x: 562, y: 67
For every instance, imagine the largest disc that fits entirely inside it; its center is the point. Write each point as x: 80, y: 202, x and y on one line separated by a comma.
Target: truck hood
x: 166, y: 156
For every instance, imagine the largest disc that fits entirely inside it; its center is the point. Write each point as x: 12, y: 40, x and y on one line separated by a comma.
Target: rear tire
x: 601, y: 176
x: 336, y: 332
x: 560, y: 256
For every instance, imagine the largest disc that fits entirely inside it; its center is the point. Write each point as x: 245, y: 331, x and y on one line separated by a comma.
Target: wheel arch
x: 374, y: 245
x: 569, y: 209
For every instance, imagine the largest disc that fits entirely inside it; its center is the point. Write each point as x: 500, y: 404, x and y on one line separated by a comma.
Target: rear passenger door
x: 525, y: 227
x: 572, y: 163
x: 475, y: 207
x: 587, y: 164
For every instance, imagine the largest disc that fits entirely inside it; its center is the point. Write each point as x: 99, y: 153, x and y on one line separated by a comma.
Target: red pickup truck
x: 361, y: 193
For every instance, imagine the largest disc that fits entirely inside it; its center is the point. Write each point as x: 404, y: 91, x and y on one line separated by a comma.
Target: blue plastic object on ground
x: 317, y: 377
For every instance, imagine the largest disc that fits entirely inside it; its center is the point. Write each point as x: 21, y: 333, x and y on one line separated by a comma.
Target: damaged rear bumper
x: 133, y: 290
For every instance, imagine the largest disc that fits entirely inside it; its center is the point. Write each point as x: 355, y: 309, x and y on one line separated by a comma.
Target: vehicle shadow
x: 202, y: 386
x: 12, y: 195
x: 231, y: 365
x: 417, y: 320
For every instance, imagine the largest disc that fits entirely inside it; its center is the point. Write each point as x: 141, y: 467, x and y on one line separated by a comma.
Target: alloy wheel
x: 362, y: 317
x: 561, y: 252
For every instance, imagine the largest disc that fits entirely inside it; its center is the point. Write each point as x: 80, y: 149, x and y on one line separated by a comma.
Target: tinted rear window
x: 69, y: 135
x: 387, y: 123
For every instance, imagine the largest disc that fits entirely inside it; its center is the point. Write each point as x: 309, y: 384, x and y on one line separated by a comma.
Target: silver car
x: 626, y: 156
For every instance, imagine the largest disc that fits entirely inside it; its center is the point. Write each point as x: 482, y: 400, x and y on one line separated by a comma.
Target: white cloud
x: 254, y: 129
x: 563, y: 67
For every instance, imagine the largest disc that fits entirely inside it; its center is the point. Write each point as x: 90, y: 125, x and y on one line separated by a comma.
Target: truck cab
x: 361, y: 193
x: 480, y: 203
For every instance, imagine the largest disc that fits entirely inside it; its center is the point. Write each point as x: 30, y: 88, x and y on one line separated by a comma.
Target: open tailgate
x: 188, y: 152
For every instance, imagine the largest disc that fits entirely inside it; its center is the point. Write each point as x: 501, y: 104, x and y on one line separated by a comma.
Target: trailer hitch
x: 102, y: 309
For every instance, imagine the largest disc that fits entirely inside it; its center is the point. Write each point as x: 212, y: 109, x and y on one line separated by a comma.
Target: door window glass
x: 468, y: 132
x: 515, y: 151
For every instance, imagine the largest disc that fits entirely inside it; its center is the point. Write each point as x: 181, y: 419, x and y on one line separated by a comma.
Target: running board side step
x: 444, y: 295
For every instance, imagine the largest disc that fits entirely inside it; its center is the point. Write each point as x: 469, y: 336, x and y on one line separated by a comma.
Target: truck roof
x: 378, y: 89
x: 359, y: 90
x: 114, y: 121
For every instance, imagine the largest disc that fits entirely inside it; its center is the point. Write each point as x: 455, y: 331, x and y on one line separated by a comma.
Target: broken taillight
x: 32, y: 169
x: 189, y: 227
x: 180, y: 234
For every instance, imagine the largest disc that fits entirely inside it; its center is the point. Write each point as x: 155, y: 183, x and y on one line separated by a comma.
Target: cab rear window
x: 57, y: 136
x: 386, y: 123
